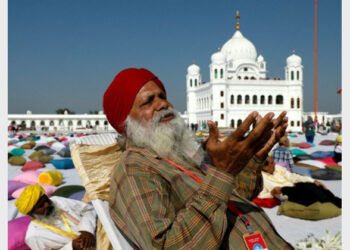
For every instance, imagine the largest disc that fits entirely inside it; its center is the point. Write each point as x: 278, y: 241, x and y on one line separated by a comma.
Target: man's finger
x: 261, y: 127
x: 244, y: 127
x: 258, y: 118
x: 279, y: 120
x: 213, y: 133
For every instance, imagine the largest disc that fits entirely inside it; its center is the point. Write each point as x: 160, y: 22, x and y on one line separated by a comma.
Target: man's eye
x: 148, y: 101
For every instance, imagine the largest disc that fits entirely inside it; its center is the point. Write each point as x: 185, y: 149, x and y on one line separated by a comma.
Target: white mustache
x: 162, y: 114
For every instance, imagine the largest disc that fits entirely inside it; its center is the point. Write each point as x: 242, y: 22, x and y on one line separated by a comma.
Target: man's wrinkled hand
x: 233, y: 154
x: 320, y: 184
x: 279, y: 128
x: 85, y: 240
x: 275, y: 192
x: 77, y: 244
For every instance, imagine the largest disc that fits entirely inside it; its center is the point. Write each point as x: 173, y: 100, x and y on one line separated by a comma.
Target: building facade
x: 60, y: 122
x: 239, y: 85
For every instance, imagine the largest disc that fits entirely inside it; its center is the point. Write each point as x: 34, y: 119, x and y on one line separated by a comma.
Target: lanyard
x: 231, y: 206
x: 58, y: 230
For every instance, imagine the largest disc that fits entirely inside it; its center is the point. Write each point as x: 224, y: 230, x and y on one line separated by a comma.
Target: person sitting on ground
x: 275, y: 177
x: 282, y: 153
x: 162, y: 195
x: 57, y: 222
x: 338, y: 149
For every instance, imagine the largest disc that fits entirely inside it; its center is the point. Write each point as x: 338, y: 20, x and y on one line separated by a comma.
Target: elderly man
x: 163, y: 195
x: 57, y: 223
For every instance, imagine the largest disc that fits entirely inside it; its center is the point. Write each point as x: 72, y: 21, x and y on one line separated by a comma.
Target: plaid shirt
x: 282, y: 154
x: 157, y: 206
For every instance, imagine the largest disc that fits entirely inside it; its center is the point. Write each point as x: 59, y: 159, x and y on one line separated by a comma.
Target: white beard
x: 170, y: 139
x: 54, y: 217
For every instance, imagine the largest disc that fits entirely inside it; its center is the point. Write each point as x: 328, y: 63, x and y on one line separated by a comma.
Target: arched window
x: 23, y: 124
x: 255, y: 99
x: 79, y: 123
x: 232, y: 99
x: 97, y: 123
x: 215, y: 73
x: 292, y: 75
x: 222, y: 105
x: 221, y: 73
x: 292, y: 123
x: 232, y: 123
x: 298, y: 123
x: 32, y: 124
x: 252, y: 78
x: 246, y: 99
x: 190, y: 82
x: 239, y: 77
x: 195, y: 82
x: 42, y: 123
x: 269, y: 99
x: 221, y: 93
x: 239, y: 122
x: 298, y: 103
x: 70, y: 123
x: 292, y: 103
x: 279, y: 99
x: 298, y: 75
x: 246, y: 78
x: 222, y: 116
x: 52, y: 123
x: 239, y: 99
x: 262, y: 99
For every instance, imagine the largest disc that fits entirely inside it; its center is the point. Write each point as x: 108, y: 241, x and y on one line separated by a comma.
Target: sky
x: 64, y: 54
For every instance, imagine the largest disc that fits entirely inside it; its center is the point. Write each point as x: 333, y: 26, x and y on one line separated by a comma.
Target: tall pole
x: 315, y: 64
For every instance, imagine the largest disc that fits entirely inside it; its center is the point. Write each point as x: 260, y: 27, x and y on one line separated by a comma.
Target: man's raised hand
x: 233, y: 154
x: 279, y: 128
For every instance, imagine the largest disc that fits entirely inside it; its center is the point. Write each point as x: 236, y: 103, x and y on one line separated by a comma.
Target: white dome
x: 294, y: 60
x: 193, y: 69
x: 239, y: 48
x: 218, y: 58
x: 260, y: 58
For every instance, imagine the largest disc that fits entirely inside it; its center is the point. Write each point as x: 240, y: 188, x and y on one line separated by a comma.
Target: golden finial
x: 293, y: 51
x: 237, y: 19
x: 219, y: 49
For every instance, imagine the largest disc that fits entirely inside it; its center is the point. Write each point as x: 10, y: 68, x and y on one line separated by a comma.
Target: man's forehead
x: 149, y: 88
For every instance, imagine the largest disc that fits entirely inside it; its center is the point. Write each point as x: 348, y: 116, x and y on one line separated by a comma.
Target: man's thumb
x: 213, y: 133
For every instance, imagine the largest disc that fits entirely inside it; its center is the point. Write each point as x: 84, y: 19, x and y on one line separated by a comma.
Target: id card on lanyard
x: 253, y: 239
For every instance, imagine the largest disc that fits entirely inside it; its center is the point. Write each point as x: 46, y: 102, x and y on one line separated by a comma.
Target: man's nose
x: 46, y: 204
x: 162, y: 104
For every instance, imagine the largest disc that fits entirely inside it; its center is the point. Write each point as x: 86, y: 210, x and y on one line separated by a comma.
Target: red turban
x: 120, y: 95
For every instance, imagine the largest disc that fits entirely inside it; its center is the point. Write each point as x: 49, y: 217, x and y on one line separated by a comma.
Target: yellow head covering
x: 28, y: 198
x: 339, y: 139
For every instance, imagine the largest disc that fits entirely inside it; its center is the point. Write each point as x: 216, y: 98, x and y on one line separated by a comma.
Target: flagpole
x: 315, y: 64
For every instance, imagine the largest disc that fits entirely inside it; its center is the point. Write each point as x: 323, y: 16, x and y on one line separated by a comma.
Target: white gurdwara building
x: 238, y: 85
